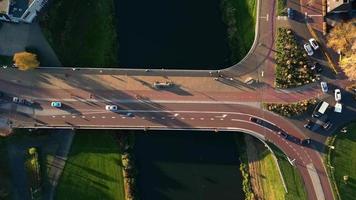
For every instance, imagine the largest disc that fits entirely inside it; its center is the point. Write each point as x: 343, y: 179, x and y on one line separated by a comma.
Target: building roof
x: 4, y: 6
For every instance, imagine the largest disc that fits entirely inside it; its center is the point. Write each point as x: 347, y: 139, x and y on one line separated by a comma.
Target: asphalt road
x: 196, y: 101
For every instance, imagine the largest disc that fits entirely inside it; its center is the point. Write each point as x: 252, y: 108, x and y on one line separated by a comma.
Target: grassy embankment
x: 343, y: 163
x: 240, y: 18
x: 93, y: 169
x: 82, y: 32
x: 292, y: 178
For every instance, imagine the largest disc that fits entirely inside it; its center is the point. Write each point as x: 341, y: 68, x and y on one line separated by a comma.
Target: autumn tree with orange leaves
x: 25, y: 60
x: 342, y: 38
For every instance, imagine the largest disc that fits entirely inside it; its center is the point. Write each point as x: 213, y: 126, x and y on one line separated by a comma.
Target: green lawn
x: 82, y: 32
x: 240, y: 18
x: 343, y: 159
x: 271, y: 182
x: 292, y: 178
x: 93, y: 169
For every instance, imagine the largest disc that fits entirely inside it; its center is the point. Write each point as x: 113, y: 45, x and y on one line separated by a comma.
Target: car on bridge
x: 56, y: 104
x: 111, y: 107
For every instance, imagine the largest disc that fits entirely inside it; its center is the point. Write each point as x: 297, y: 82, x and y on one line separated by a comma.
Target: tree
x: 25, y: 60
x: 342, y: 38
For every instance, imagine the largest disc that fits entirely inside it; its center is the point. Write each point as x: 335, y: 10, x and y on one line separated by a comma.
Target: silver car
x: 111, y: 107
x: 314, y: 43
x: 324, y: 86
x: 308, y: 49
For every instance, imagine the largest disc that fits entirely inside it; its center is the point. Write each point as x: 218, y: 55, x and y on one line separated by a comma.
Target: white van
x: 320, y: 109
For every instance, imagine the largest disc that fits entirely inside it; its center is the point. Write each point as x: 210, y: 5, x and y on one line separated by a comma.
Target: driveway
x: 16, y: 37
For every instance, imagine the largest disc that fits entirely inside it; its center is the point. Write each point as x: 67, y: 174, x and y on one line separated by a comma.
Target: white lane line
x: 54, y: 116
x: 83, y: 116
x: 143, y: 117
x: 113, y: 117
x: 315, y: 15
x: 133, y: 117
x: 73, y: 116
x: 63, y: 116
x: 93, y: 117
x: 212, y: 119
x: 192, y: 118
x: 123, y: 117
x: 182, y: 118
x: 103, y: 117
x: 173, y: 118
x: 202, y: 118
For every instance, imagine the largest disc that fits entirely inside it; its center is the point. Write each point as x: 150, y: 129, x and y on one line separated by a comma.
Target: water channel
x: 182, y: 34
x: 188, y: 165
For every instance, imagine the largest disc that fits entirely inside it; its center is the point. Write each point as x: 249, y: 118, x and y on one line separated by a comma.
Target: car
x: 308, y: 125
x: 56, y: 104
x: 111, y: 107
x: 129, y: 114
x: 314, y: 43
x: 29, y: 102
x: 256, y: 120
x: 327, y: 124
x: 305, y: 142
x: 282, y: 134
x: 337, y: 93
x: 308, y: 49
x: 324, y: 86
x: 317, y: 68
x: 18, y: 100
x: 290, y: 13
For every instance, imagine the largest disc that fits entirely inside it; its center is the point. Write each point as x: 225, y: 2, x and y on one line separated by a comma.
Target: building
x: 20, y: 10
x: 338, y: 6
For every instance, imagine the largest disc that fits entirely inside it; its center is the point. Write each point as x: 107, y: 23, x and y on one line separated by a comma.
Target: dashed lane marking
x: 113, y: 117
x: 73, y: 116
x: 212, y: 119
x: 54, y: 116
x: 182, y: 118
x: 192, y: 118
x: 63, y: 116
x: 202, y: 118
x: 103, y: 117
x: 93, y: 117
x: 83, y: 117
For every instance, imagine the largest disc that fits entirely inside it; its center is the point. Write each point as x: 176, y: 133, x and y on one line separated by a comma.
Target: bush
x: 292, y: 65
x: 289, y: 110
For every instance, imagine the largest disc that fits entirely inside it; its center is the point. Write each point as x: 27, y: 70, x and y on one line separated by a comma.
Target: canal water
x: 188, y: 165
x: 171, y: 34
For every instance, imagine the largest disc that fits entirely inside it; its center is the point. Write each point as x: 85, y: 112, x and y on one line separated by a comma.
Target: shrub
x: 289, y: 110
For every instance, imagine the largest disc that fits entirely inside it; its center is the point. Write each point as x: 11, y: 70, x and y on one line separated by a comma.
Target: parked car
x: 309, y: 125
x: 308, y: 49
x: 337, y: 93
x: 290, y: 13
x: 324, y: 86
x: 56, y: 104
x: 327, y: 124
x: 111, y: 107
x: 317, y: 68
x: 314, y: 43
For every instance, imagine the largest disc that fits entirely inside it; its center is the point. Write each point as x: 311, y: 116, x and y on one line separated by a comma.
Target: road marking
x: 83, y: 116
x: 265, y: 17
x: 143, y: 117
x: 123, y: 117
x: 173, y: 118
x: 54, y: 116
x: 73, y: 116
x: 63, y: 116
x: 315, y: 15
x: 93, y: 117
x: 133, y: 117
x: 202, y: 118
x: 212, y: 119
x: 182, y: 118
x: 103, y: 117
x: 282, y: 18
x: 113, y: 117
x: 192, y: 118
x: 153, y: 118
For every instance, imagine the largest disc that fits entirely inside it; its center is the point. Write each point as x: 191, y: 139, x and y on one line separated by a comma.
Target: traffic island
x: 290, y: 110
x: 292, y: 68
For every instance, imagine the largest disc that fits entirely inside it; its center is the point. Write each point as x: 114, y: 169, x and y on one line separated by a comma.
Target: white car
x: 324, y: 87
x: 314, y: 43
x: 337, y: 95
x: 56, y: 104
x: 308, y: 49
x: 111, y: 107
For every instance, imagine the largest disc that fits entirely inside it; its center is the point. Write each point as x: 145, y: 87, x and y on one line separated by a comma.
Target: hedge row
x: 289, y: 110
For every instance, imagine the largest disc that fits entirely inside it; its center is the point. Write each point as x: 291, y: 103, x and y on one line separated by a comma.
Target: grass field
x: 240, y: 17
x: 292, y: 178
x: 343, y: 159
x: 271, y: 182
x: 82, y: 32
x: 93, y: 169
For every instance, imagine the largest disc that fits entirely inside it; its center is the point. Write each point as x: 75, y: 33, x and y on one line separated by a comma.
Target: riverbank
x: 93, y: 169
x: 82, y: 32
x: 240, y: 18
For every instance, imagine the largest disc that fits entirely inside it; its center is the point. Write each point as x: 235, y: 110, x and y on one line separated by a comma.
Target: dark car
x: 290, y: 13
x: 305, y: 142
x: 327, y: 125
x: 317, y: 68
x: 308, y: 125
x: 256, y: 120
x: 282, y: 134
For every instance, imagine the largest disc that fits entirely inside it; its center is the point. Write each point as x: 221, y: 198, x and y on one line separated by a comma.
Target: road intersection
x: 198, y: 100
